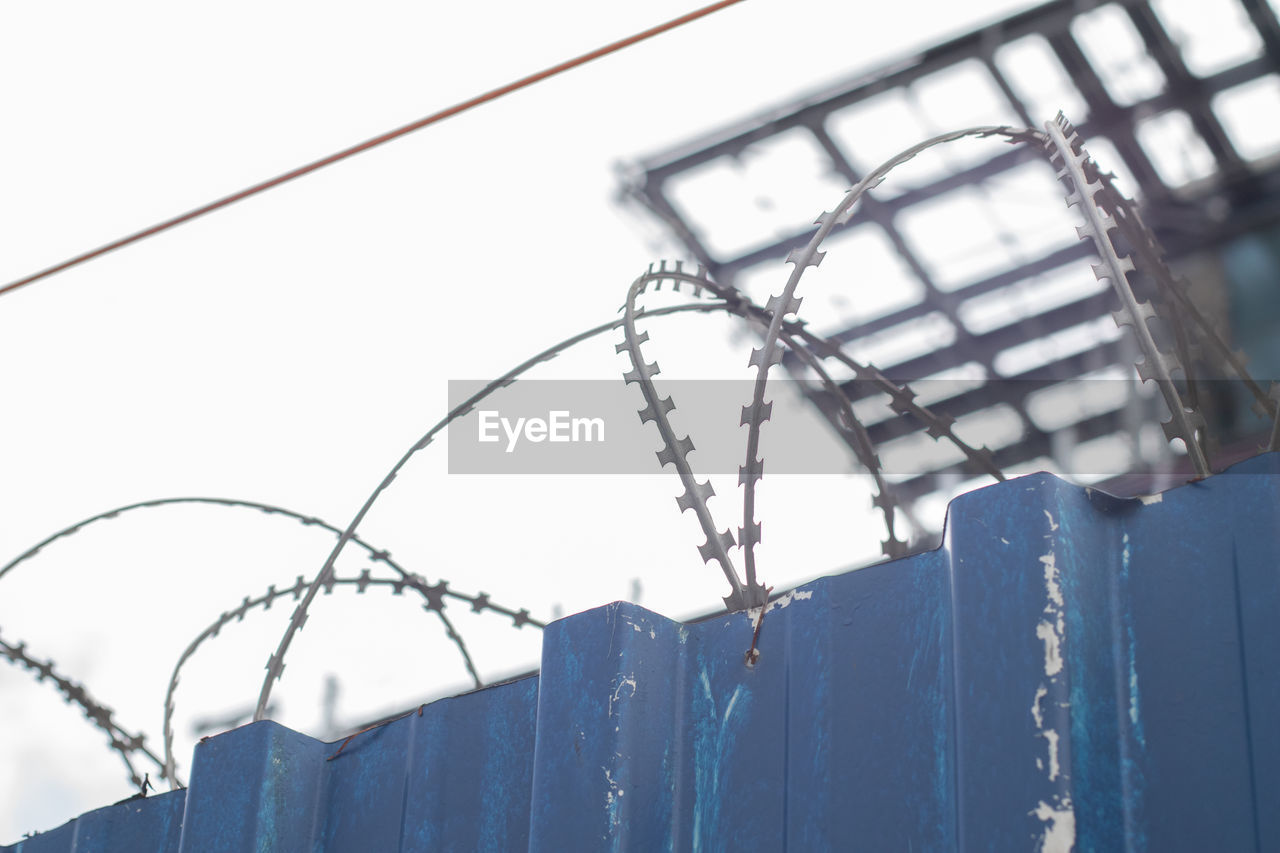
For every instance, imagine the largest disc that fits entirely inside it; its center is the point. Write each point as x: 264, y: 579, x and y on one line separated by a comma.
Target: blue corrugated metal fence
x: 1069, y: 671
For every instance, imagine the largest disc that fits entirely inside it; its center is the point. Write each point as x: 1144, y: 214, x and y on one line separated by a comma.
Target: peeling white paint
x: 624, y: 681
x: 1148, y: 500
x: 1053, y: 525
x: 612, y: 795
x: 627, y: 681
x: 1060, y: 833
x: 1051, y: 585
x: 1052, y: 651
x: 1051, y: 735
x: 1050, y: 632
x: 640, y: 628
x: 1134, y: 712
x: 1133, y: 692
x: 782, y: 602
x: 1036, y: 713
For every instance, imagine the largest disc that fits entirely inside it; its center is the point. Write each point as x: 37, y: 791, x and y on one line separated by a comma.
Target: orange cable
x: 368, y: 143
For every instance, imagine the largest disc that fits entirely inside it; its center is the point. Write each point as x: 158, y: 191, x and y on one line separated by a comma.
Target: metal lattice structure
x: 1010, y: 312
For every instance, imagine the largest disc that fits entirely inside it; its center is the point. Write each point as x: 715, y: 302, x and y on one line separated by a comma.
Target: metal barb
x: 434, y: 594
x: 737, y: 304
x: 1201, y: 338
x: 125, y: 744
x: 675, y: 451
x: 803, y: 343
x: 802, y: 258
x: 276, y: 661
x: 1064, y: 150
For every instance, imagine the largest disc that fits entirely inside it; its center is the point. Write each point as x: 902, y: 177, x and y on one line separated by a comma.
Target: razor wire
x: 433, y: 593
x: 737, y: 303
x: 1173, y: 290
x: 1104, y: 214
x: 275, y: 662
x: 786, y: 303
x: 1177, y: 315
x: 675, y: 451
x: 480, y: 602
x: 1107, y: 215
x: 809, y: 348
x: 435, y: 604
x: 1067, y: 154
x: 122, y: 742
x: 903, y: 400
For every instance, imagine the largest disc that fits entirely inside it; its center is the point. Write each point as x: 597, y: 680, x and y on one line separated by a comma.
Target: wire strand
x: 381, y: 139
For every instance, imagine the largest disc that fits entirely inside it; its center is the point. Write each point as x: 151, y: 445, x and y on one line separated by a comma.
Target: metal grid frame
x: 1238, y: 198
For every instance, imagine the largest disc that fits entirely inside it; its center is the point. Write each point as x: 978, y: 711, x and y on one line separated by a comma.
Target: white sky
x: 289, y: 349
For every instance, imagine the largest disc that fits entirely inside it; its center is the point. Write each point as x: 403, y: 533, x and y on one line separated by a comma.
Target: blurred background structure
x: 963, y: 274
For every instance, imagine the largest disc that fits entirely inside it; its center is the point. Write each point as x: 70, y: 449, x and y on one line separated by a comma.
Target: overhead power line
x: 491, y: 95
